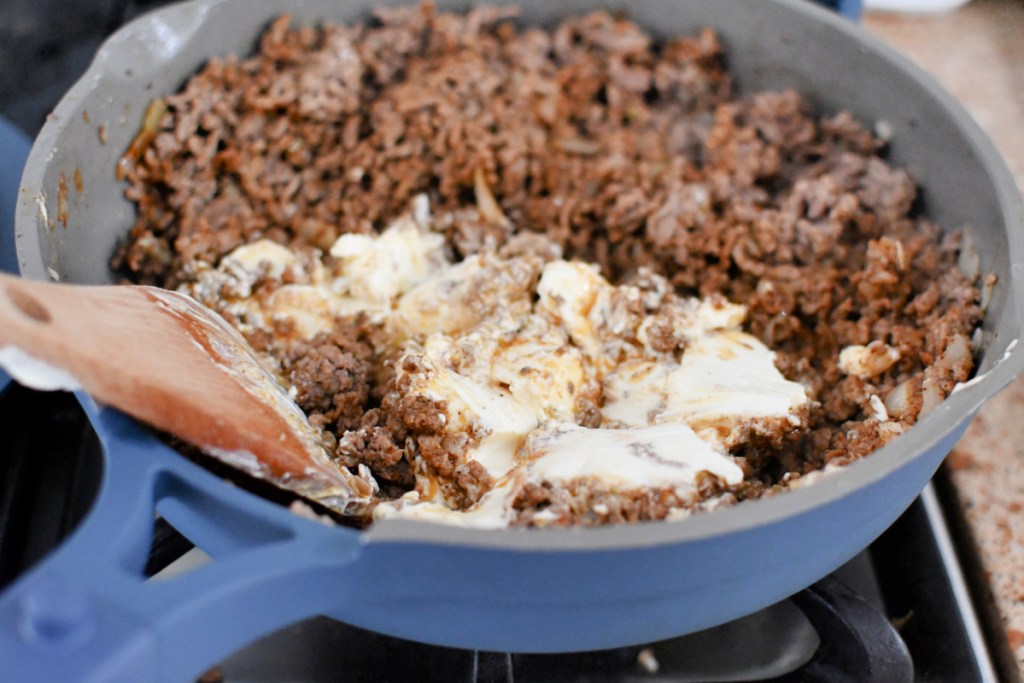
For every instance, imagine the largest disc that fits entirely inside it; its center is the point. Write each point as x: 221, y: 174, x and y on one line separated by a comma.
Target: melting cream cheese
x: 516, y: 350
x: 662, y: 456
x: 460, y: 296
x: 569, y: 291
x: 378, y: 268
x: 726, y: 378
x: 543, y: 373
x: 247, y: 260
x: 636, y: 392
x: 492, y: 511
x: 668, y: 456
x: 370, y: 272
x: 665, y: 418
x: 478, y: 408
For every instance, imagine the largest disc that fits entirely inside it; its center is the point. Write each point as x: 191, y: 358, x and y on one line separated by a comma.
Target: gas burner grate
x: 50, y: 464
x: 860, y: 645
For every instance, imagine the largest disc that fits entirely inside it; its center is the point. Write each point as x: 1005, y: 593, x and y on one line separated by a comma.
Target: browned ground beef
x: 623, y: 151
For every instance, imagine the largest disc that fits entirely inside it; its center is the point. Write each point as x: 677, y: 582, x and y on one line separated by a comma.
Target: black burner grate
x: 49, y: 472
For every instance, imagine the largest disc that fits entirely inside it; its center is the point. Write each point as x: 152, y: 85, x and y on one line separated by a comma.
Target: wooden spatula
x: 174, y: 364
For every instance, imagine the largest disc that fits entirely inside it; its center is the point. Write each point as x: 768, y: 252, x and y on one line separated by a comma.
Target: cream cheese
x: 492, y: 511
x: 311, y: 310
x: 378, y: 268
x: 725, y: 379
x: 514, y: 351
x: 472, y: 405
x: 248, y: 259
x: 310, y: 306
x: 669, y: 456
x: 867, y: 361
x: 665, y: 417
x: 462, y: 295
x: 568, y: 291
x: 635, y: 392
x: 542, y: 371
x: 666, y: 455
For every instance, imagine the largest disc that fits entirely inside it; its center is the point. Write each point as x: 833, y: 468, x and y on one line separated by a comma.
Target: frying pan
x: 87, y: 613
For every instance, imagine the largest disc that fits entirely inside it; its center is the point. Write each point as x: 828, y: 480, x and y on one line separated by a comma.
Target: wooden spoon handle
x: 46, y: 321
x: 164, y: 359
x: 109, y: 338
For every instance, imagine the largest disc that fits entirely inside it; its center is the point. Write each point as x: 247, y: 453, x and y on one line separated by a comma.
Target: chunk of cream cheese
x: 666, y: 455
x: 378, y: 268
x: 725, y: 378
x: 867, y: 361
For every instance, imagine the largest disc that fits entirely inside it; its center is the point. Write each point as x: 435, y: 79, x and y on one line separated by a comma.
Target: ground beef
x: 623, y: 152
x: 586, y: 502
x: 331, y: 383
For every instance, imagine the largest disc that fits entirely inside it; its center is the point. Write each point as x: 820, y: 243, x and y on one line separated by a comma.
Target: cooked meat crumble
x: 591, y: 143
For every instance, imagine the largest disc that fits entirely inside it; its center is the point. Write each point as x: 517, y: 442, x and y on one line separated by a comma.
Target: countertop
x: 977, y: 54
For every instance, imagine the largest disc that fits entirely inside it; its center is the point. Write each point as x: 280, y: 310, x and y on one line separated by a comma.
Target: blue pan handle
x: 87, y: 612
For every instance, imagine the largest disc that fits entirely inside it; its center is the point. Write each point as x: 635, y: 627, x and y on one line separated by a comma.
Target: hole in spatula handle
x: 27, y: 304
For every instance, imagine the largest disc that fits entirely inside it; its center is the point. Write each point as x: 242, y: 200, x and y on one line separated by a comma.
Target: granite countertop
x: 977, y: 53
